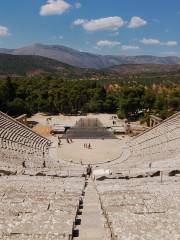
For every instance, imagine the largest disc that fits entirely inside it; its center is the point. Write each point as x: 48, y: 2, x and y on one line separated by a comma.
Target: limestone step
x: 92, y: 222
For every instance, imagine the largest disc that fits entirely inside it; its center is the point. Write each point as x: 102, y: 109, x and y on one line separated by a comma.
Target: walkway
x: 92, y: 220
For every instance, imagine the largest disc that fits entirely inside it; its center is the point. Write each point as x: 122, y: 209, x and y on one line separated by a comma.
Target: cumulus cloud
x: 109, y: 23
x: 137, y: 22
x: 171, y: 43
x: 79, y: 22
x: 107, y: 43
x: 4, y: 31
x: 54, y: 7
x: 130, y: 47
x: 152, y: 41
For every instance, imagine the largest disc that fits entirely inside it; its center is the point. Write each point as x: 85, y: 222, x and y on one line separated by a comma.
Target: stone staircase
x: 92, y: 221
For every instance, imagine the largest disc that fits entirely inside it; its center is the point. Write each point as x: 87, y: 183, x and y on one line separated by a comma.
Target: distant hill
x: 28, y: 65
x: 7, y: 51
x: 136, y: 69
x: 37, y: 65
x: 87, y: 60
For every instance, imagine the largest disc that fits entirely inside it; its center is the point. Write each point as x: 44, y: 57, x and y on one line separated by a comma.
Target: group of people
x: 88, y: 146
x: 69, y: 140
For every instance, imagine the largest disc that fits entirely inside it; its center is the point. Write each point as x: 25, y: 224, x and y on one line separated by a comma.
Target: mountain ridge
x: 137, y: 69
x: 31, y: 65
x: 80, y: 59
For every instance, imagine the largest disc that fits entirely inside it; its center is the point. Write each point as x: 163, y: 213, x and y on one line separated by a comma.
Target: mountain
x: 32, y: 65
x: 63, y: 54
x: 87, y: 60
x: 36, y: 65
x: 136, y: 69
x: 7, y: 51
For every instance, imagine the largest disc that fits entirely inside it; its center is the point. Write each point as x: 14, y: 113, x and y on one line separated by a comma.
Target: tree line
x: 32, y: 95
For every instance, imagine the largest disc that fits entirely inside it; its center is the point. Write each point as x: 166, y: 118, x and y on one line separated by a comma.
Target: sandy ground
x: 101, y: 151
x: 63, y: 120
x: 43, y: 130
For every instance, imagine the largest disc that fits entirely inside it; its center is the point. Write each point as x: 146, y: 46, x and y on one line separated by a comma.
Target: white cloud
x: 150, y: 41
x: 109, y: 23
x: 54, y: 7
x: 107, y: 43
x: 77, y: 5
x: 79, y: 22
x: 171, y: 44
x: 137, y: 22
x: 129, y: 47
x: 4, y: 31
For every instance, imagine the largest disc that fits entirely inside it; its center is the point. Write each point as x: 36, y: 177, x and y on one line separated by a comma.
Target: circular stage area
x: 89, y: 142
x: 101, y: 151
x: 84, y: 131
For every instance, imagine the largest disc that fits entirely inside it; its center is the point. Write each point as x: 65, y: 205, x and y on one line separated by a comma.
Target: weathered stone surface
x: 142, y: 208
x: 38, y: 207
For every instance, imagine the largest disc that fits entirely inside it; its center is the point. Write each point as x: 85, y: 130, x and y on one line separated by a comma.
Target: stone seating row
x: 14, y: 135
x: 14, y: 159
x: 141, y: 208
x: 34, y: 164
x: 38, y: 207
x: 157, y: 144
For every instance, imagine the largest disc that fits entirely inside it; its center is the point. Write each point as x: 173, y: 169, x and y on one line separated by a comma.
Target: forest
x: 51, y: 95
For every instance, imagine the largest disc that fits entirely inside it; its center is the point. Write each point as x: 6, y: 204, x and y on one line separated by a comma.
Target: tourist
x: 24, y: 164
x: 89, y: 170
x: 59, y: 140
x: 150, y: 165
x: 114, y: 122
x: 44, y: 164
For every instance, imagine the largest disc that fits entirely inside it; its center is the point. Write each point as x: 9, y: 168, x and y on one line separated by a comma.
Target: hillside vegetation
x: 31, y: 95
x: 137, y: 69
x: 17, y: 65
x: 35, y: 65
x: 36, y: 84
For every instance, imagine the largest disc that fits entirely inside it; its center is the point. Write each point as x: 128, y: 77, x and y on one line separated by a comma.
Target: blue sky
x: 122, y: 27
